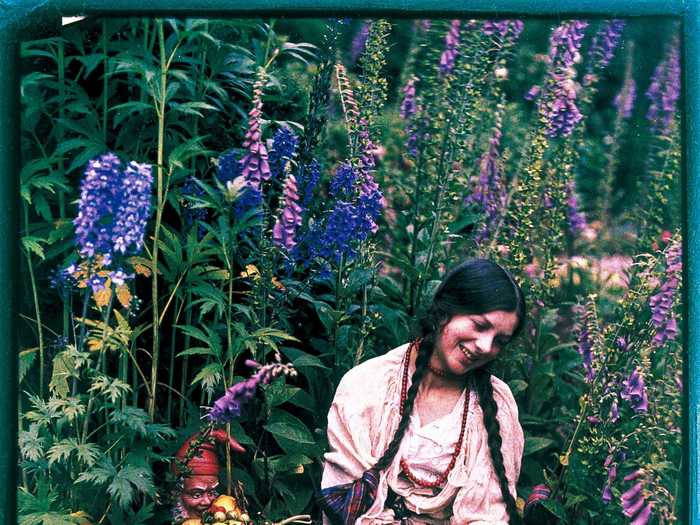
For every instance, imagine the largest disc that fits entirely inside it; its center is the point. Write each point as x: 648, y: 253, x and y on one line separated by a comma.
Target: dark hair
x: 476, y: 286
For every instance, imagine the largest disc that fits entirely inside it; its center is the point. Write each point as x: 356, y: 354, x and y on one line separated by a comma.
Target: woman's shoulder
x: 374, y: 375
x: 503, y: 395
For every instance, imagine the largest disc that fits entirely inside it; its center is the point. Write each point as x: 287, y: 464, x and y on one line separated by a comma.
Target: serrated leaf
x: 63, y: 369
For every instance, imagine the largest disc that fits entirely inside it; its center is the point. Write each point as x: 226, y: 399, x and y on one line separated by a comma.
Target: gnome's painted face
x: 198, y: 493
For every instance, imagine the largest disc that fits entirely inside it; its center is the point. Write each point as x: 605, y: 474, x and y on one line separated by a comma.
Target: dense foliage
x: 218, y: 222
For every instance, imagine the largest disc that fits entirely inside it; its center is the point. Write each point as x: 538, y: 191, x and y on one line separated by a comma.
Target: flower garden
x: 221, y: 217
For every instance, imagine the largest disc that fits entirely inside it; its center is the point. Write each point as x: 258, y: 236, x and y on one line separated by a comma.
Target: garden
x: 222, y: 217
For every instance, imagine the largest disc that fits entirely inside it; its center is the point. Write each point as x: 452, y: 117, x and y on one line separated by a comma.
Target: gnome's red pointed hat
x: 204, y: 461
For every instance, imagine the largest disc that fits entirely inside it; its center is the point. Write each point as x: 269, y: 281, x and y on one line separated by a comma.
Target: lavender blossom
x: 359, y: 41
x: 604, y: 44
x: 664, y: 91
x: 98, y: 191
x: 289, y: 219
x: 447, y: 59
x: 635, y: 393
x: 661, y: 304
x: 624, y: 101
x: 575, y: 217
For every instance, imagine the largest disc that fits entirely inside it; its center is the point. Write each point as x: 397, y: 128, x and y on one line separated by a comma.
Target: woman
x: 424, y: 434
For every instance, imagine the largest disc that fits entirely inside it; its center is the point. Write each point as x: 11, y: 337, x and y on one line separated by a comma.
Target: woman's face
x: 469, y: 341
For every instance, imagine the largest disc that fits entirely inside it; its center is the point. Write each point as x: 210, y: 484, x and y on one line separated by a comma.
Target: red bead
x: 404, y: 466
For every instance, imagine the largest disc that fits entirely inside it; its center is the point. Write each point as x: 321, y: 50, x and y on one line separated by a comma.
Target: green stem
x: 37, y: 307
x: 159, y: 215
x: 105, y: 95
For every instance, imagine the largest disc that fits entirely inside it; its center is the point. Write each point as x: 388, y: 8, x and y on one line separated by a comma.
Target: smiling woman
x: 424, y: 433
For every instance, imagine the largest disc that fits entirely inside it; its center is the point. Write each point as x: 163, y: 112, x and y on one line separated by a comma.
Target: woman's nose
x: 485, y: 344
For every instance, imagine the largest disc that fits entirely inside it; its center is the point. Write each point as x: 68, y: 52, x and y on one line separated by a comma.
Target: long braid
x: 425, y: 351
x: 493, y: 431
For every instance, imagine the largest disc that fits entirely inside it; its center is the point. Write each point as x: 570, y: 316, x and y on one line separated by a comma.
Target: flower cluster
x: 558, y: 102
x: 408, y: 111
x: 635, y: 393
x: 575, y: 217
x: 289, y: 219
x: 284, y: 148
x: 447, y: 59
x: 664, y: 91
x: 661, y: 303
x: 607, y: 495
x: 585, y: 340
x: 309, y: 177
x: 230, y: 405
x: 113, y: 209
x: 633, y: 501
x: 358, y: 42
x: 624, y: 101
x: 506, y: 30
x: 255, y: 166
x: 229, y: 166
x: 603, y: 47
x: 490, y: 192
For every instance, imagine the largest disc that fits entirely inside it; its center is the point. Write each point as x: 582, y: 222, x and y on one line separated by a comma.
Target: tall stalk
x: 160, y: 112
x: 37, y: 306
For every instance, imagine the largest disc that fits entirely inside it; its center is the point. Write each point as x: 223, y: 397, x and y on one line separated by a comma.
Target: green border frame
x: 28, y: 19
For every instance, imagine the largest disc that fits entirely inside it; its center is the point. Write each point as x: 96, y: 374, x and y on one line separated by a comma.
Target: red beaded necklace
x: 404, y: 465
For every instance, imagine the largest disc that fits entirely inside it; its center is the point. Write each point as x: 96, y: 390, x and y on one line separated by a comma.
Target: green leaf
x: 64, y: 368
x: 31, y: 244
x: 26, y: 359
x: 287, y: 428
x: 308, y: 360
x: 517, y: 386
x: 279, y: 392
x: 535, y: 444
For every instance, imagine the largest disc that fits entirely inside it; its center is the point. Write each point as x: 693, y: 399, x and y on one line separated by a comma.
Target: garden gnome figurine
x: 197, y: 468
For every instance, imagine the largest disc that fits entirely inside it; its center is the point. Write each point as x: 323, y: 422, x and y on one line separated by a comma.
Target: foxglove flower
x: 661, y: 304
x: 490, y: 192
x: 505, y: 30
x: 624, y: 101
x: 447, y: 59
x: 634, y: 392
x: 604, y: 44
x: 633, y: 503
x: 289, y: 220
x: 664, y: 91
x: 284, y: 147
x: 230, y: 405
x: 585, y: 348
x: 558, y: 103
x: 408, y: 104
x: 133, y: 209
x: 255, y: 163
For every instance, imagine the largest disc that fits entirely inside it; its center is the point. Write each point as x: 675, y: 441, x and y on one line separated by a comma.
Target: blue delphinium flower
x: 99, y: 188
x: 229, y: 166
x: 343, y: 183
x: 309, y: 177
x: 133, y: 208
x: 359, y: 41
x: 284, y: 147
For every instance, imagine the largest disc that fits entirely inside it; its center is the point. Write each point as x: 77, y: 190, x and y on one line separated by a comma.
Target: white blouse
x: 362, y: 420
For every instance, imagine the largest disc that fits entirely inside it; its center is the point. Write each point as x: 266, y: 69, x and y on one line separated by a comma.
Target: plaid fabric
x: 343, y: 504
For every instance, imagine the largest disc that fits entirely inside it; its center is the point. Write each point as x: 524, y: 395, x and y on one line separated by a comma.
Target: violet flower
x: 624, y: 101
x: 255, y: 165
x: 98, y: 190
x: 585, y: 349
x: 661, y: 304
x: 359, y: 41
x: 284, y: 148
x: 558, y: 103
x: 447, y: 59
x: 289, y: 218
x: 490, y: 193
x: 633, y: 501
x: 635, y: 393
x: 408, y: 104
x: 604, y: 44
x: 575, y: 217
x: 133, y: 208
x: 231, y: 404
x: 664, y: 91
